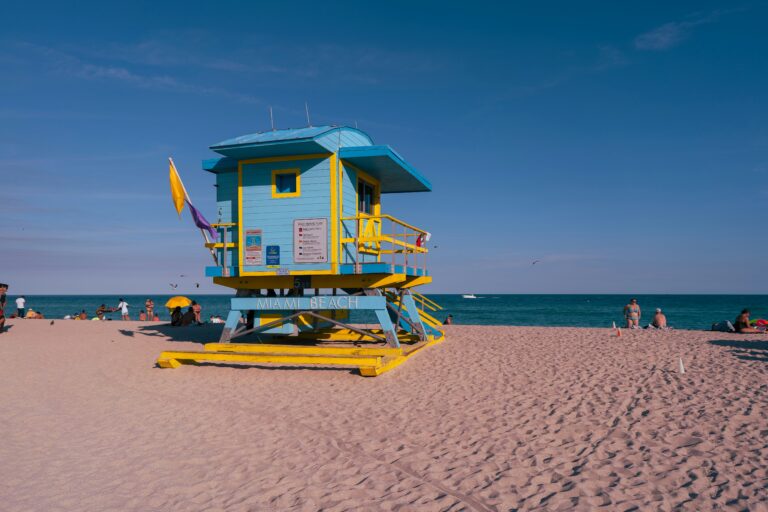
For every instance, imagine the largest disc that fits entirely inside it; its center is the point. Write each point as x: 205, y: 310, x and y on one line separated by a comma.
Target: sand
x: 495, y: 418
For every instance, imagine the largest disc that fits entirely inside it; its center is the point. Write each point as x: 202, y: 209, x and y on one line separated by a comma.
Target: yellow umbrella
x: 178, y: 301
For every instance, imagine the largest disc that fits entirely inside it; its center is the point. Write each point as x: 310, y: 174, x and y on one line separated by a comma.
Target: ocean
x: 683, y: 311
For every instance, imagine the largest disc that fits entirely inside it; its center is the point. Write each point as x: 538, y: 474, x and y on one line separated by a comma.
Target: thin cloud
x: 608, y: 57
x: 673, y: 33
x: 71, y: 65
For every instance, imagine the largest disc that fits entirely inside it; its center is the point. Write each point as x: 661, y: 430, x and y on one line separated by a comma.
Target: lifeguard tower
x: 304, y: 242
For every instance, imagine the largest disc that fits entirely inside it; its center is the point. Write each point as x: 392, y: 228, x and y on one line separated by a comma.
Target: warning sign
x: 253, y: 252
x: 310, y: 241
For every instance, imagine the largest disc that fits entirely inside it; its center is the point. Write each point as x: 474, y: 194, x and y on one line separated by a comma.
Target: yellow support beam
x: 303, y: 350
x: 171, y: 359
x: 414, y: 281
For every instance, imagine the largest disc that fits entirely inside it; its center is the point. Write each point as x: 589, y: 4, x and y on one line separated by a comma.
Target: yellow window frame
x: 278, y: 195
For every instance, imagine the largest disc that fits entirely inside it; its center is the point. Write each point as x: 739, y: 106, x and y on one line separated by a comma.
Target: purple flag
x: 200, y: 221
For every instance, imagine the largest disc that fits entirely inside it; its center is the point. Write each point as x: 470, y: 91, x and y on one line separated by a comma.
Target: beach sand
x: 495, y: 418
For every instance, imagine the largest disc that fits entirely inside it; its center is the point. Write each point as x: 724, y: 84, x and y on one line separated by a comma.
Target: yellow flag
x: 177, y: 189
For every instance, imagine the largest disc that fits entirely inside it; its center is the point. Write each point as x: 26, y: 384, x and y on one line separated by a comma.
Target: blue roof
x: 274, y: 136
x: 293, y: 141
x: 354, y: 147
x: 384, y: 164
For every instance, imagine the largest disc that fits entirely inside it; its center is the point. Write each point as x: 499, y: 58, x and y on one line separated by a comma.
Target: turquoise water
x: 683, y: 311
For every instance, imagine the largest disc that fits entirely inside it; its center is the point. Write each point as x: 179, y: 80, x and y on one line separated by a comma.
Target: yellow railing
x: 383, y: 239
x: 364, y: 239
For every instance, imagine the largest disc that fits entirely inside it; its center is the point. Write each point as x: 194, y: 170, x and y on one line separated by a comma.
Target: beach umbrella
x: 178, y: 301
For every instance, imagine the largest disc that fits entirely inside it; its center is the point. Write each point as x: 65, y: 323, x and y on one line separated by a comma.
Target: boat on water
x: 469, y: 296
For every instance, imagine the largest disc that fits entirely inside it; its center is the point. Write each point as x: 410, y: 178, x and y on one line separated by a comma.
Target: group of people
x: 742, y: 324
x: 21, y: 310
x: 633, y: 313
x: 191, y: 316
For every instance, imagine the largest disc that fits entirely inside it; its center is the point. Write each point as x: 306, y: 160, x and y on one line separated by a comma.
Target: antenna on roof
x: 306, y: 109
x: 271, y: 119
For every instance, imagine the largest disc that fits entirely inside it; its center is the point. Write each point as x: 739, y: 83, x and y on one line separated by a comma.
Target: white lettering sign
x: 310, y: 241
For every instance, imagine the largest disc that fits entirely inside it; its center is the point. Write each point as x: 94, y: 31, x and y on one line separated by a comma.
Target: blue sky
x: 622, y: 144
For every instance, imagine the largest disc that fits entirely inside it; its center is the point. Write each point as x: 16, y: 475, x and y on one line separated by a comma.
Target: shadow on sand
x: 747, y: 350
x: 206, y: 333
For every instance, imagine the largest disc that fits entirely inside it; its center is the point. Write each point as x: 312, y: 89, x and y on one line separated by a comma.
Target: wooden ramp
x: 370, y: 361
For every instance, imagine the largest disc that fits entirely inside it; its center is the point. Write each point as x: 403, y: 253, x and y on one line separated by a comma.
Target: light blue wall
x: 349, y: 209
x: 275, y: 216
x: 226, y: 209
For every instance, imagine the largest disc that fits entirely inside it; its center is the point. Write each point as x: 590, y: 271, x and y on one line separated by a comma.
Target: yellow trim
x: 334, y: 215
x: 279, y: 195
x: 285, y: 158
x: 340, y: 174
x: 240, y: 216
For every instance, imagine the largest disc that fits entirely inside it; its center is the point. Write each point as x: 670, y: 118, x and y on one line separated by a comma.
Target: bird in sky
x: 535, y: 262
x: 197, y: 285
x: 174, y: 286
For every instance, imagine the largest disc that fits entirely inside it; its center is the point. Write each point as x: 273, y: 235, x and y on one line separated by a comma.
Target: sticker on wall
x: 273, y: 255
x: 253, y: 251
x: 310, y: 240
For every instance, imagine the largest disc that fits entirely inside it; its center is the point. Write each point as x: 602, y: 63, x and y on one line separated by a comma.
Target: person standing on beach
x: 632, y: 314
x: 123, y: 307
x: 3, y: 296
x: 197, y: 309
x: 149, y: 304
x: 21, y: 309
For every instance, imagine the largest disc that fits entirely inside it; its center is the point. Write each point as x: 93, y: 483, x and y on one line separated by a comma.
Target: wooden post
x: 225, y: 270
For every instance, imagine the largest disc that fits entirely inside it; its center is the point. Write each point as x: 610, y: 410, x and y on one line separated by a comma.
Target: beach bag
x: 723, y: 326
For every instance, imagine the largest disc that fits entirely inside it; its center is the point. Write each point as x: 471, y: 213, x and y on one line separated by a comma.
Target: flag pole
x: 202, y: 231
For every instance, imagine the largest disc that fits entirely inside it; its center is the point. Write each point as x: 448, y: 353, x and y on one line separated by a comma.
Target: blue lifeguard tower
x: 303, y: 242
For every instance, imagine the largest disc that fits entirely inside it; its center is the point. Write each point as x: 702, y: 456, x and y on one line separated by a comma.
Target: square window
x: 286, y: 183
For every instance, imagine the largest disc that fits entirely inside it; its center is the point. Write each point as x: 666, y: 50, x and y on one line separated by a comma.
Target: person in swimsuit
x: 632, y: 314
x: 150, y: 305
x: 742, y: 323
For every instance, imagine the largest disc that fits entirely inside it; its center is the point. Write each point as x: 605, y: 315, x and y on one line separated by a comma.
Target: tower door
x: 368, y: 210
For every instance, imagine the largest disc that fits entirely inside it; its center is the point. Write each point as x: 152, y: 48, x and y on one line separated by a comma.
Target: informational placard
x: 273, y: 255
x: 310, y: 241
x: 253, y: 251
